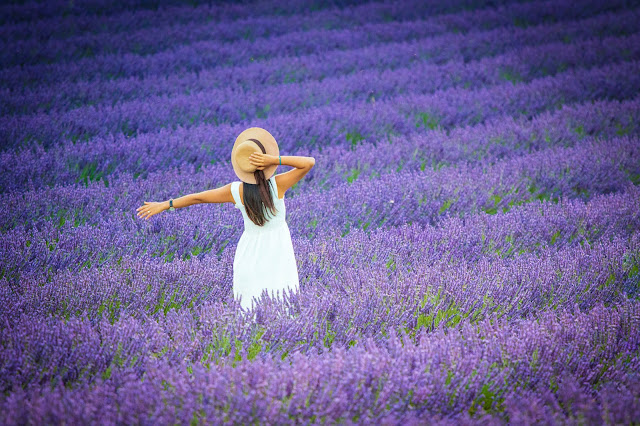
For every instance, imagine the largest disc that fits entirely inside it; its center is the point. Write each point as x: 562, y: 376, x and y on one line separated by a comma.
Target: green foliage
x: 106, y: 374
x: 354, y: 137
x: 535, y: 360
x: 355, y: 172
x: 391, y: 263
x: 127, y: 128
x: 611, y: 279
x: 449, y: 315
x: 254, y: 349
x: 537, y: 195
x: 431, y: 297
x: 634, y: 178
x: 219, y: 346
x: 89, y: 173
x: 622, y: 130
x: 83, y: 137
x: 520, y: 22
x: 290, y: 77
x: 166, y: 305
x: 510, y: 75
x: 262, y: 112
x: 330, y: 336
x: 487, y: 399
x: 199, y: 417
x: 110, y: 308
x: 632, y: 265
x: 427, y: 120
x: 445, y: 206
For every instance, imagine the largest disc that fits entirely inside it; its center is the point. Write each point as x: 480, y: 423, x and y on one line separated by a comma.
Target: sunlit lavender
x: 468, y: 242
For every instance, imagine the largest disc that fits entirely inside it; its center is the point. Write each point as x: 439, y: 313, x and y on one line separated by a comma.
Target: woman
x: 264, y: 258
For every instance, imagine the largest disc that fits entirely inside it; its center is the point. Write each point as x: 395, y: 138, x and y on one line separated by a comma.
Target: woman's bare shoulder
x: 281, y: 188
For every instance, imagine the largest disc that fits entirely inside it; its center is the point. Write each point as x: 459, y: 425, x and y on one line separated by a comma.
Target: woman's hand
x: 261, y: 161
x: 150, y: 208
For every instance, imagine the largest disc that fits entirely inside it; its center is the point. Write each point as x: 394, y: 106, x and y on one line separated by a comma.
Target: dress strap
x: 235, y: 193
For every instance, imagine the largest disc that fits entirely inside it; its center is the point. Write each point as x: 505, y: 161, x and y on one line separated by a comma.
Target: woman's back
x: 264, y: 258
x: 274, y: 221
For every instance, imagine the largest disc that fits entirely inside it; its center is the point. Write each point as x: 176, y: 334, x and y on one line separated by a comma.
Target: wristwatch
x: 171, y: 208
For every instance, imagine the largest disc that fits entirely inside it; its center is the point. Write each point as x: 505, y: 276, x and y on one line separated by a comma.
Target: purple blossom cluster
x: 468, y: 243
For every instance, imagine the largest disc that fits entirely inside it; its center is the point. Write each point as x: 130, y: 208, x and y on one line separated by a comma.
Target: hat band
x: 264, y: 151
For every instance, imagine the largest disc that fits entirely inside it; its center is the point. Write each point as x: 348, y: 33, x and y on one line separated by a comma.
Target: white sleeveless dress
x: 264, y: 258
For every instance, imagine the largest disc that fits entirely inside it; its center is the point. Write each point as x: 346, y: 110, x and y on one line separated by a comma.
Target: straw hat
x: 253, y: 139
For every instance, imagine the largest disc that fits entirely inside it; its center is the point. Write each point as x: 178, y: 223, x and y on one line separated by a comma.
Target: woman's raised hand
x: 150, y: 208
x: 261, y: 161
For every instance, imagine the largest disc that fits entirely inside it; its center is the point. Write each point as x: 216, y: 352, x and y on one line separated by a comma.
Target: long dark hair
x: 257, y: 196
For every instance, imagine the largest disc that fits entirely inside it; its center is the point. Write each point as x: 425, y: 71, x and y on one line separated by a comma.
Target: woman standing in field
x: 264, y: 258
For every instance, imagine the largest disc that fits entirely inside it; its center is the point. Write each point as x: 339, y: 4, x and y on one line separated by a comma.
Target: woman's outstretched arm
x: 218, y: 195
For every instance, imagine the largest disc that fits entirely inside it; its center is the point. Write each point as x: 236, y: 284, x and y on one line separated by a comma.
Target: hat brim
x: 270, y: 146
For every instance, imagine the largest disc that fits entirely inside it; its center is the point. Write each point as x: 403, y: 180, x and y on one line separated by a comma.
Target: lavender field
x: 468, y: 242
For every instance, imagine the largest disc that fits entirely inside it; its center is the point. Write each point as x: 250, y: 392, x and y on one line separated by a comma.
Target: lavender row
x: 465, y: 189
x: 353, y: 301
x: 101, y: 13
x: 199, y: 17
x: 231, y: 105
x: 131, y: 17
x: 433, y: 269
x: 326, y: 126
x: 391, y: 200
x: 493, y: 140
x: 255, y: 75
x: 499, y: 139
x: 163, y: 37
x: 85, y: 246
x: 580, y: 363
x: 202, y: 55
x: 38, y: 10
